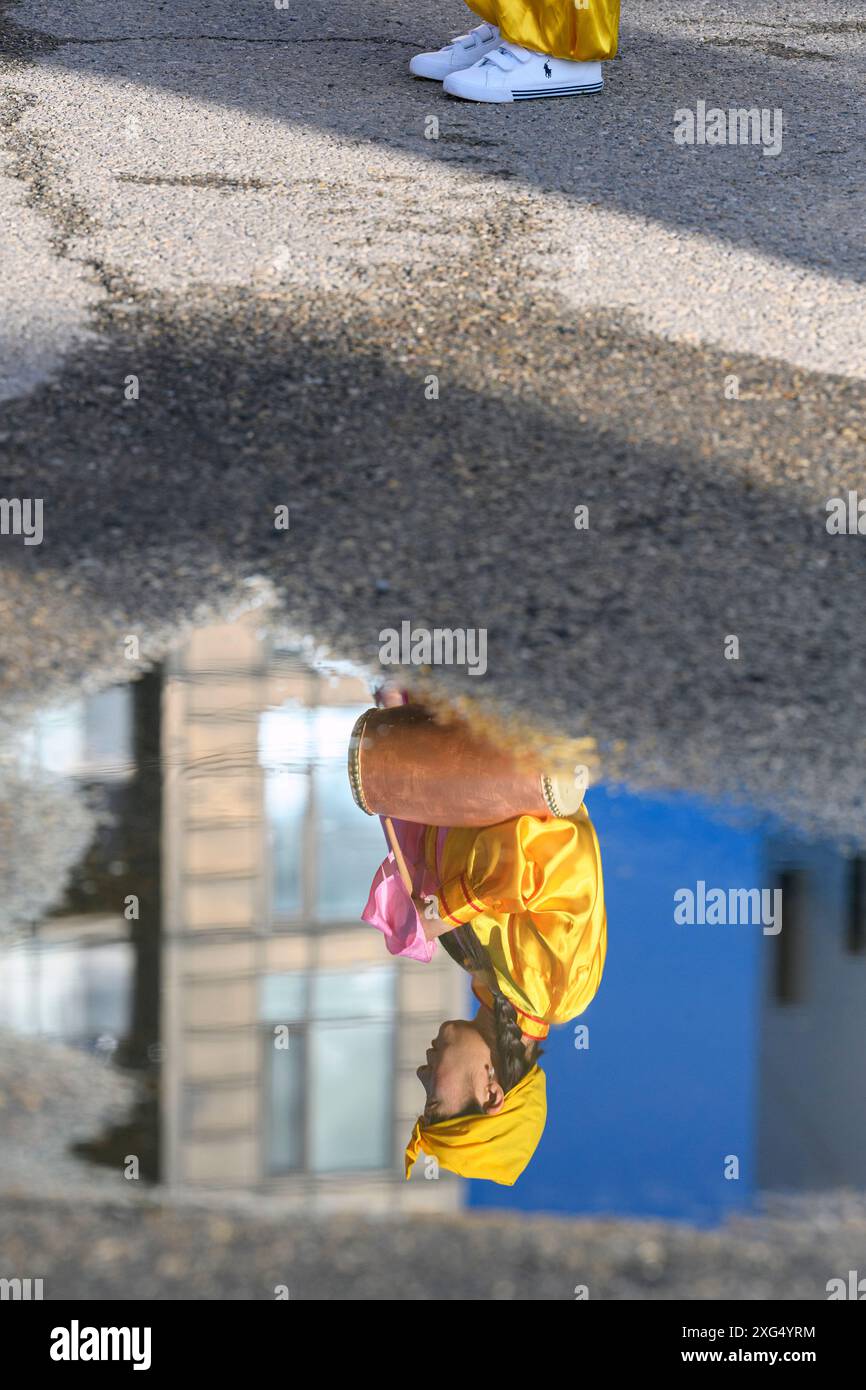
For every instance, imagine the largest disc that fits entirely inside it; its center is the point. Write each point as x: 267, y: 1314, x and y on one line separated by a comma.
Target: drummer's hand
x: 428, y: 911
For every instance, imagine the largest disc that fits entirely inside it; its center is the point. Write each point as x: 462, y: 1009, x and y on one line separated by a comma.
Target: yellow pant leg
x: 583, y: 30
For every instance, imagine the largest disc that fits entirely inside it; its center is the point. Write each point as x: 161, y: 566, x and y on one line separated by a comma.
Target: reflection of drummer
x: 519, y: 904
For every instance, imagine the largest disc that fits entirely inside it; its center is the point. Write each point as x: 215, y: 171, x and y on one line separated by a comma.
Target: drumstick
x: 398, y: 855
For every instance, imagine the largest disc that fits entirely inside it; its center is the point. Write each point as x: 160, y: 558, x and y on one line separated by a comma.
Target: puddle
x: 184, y: 868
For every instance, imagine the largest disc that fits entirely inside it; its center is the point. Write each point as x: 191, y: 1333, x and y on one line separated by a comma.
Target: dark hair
x: 513, y: 1060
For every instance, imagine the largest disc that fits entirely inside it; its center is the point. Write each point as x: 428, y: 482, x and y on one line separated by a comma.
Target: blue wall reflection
x: 641, y: 1122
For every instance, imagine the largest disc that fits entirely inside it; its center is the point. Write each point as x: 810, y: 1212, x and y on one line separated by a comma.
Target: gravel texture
x: 154, y: 1251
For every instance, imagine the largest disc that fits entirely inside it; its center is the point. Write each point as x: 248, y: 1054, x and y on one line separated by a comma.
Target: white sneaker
x: 458, y: 54
x: 510, y: 73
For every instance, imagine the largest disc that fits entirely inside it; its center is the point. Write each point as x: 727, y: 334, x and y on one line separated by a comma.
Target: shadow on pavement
x: 460, y: 512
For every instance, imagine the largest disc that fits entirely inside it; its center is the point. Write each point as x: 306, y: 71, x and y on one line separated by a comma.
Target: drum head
x: 567, y: 791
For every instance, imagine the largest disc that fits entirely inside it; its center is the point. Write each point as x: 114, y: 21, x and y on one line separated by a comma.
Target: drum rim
x: 550, y: 800
x: 356, y: 784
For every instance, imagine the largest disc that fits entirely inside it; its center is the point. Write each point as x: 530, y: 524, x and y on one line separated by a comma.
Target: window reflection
x: 329, y: 1069
x: 320, y: 848
x: 856, y: 906
x: 287, y: 797
x: 284, y: 1083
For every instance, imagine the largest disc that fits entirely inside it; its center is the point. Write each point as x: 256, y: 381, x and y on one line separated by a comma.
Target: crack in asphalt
x: 40, y: 174
x: 19, y: 43
x: 218, y: 181
x: 843, y: 26
x: 772, y: 49
x: 58, y: 41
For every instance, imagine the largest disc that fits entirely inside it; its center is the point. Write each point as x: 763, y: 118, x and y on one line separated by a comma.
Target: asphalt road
x: 153, y: 1251
x: 239, y: 207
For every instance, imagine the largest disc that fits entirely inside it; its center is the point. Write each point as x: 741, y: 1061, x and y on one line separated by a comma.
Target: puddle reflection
x: 216, y: 887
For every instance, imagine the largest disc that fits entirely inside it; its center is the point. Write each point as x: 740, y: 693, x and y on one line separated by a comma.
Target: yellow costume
x: 496, y: 1147
x: 562, y: 28
x: 534, y: 894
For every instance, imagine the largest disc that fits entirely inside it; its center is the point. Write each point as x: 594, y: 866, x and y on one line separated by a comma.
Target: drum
x: 404, y: 764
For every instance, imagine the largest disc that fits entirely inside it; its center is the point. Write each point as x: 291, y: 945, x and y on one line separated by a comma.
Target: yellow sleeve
x: 457, y: 903
x: 505, y: 869
x: 539, y: 884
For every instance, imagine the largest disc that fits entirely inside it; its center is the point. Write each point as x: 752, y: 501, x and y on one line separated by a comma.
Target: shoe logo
x: 548, y: 71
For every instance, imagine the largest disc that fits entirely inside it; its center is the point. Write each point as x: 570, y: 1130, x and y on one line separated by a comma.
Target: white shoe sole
x: 469, y: 91
x: 585, y: 91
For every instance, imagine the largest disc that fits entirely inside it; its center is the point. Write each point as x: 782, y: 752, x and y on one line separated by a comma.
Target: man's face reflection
x: 459, y: 1075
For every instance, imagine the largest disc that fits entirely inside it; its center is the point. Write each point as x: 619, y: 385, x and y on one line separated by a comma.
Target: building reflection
x: 88, y: 975
x: 278, y: 1037
x: 289, y: 1039
x: 811, y: 1127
